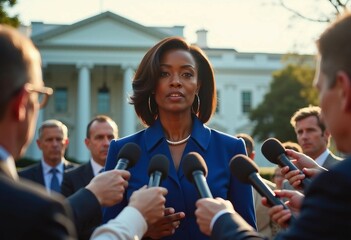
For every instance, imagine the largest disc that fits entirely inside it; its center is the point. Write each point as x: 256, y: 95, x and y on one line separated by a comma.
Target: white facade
x: 106, y: 49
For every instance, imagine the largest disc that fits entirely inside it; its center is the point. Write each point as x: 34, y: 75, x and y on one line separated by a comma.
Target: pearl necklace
x: 178, y: 142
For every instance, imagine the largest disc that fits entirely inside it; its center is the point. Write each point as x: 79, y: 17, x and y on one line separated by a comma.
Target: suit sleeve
x: 325, y: 212
x: 231, y: 226
x: 86, y: 209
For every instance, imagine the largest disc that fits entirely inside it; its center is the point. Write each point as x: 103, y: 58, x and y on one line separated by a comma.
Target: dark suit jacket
x: 28, y: 212
x: 325, y: 211
x: 331, y: 161
x: 73, y: 181
x: 35, y: 172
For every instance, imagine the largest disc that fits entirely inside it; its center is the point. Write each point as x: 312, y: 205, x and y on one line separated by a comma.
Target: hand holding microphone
x: 195, y: 170
x: 274, y: 151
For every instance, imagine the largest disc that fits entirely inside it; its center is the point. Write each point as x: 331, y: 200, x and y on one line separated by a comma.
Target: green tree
x: 4, y: 17
x: 290, y: 89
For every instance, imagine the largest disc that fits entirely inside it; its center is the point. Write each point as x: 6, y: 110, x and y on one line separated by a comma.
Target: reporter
x: 326, y: 210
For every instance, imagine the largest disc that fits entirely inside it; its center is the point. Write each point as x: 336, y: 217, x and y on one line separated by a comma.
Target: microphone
x: 128, y: 156
x: 195, y: 170
x: 158, y: 169
x: 274, y: 151
x: 246, y: 171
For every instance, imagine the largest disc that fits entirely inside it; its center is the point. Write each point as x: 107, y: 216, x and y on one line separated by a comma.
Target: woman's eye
x: 188, y: 75
x: 164, y: 74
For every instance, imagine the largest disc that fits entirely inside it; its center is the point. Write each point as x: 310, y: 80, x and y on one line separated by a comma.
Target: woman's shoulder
x: 130, y: 138
x: 225, y: 136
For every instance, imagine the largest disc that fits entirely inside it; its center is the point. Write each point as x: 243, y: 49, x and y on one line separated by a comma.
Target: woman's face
x: 178, y: 83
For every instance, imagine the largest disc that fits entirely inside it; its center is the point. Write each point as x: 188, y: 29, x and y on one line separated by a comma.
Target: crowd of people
x: 174, y: 96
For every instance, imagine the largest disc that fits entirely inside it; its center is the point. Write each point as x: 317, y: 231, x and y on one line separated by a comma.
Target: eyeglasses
x: 43, y: 93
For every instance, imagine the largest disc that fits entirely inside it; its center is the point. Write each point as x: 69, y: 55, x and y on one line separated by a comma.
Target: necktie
x: 55, y: 186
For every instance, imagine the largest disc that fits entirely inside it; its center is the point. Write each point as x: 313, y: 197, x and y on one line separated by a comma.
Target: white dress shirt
x: 128, y: 225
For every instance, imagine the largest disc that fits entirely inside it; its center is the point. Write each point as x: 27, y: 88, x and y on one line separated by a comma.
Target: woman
x: 174, y: 94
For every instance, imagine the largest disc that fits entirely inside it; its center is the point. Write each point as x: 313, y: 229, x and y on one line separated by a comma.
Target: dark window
x: 246, y: 101
x: 103, y: 100
x: 61, y: 100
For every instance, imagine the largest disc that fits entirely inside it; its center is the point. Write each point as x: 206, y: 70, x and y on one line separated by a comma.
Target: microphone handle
x: 265, y: 191
x: 155, y: 179
x: 285, y: 161
x: 122, y: 164
x: 201, y: 184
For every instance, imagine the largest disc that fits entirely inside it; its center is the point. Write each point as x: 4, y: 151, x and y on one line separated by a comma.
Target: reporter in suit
x: 27, y: 211
x: 326, y: 209
x: 53, y: 142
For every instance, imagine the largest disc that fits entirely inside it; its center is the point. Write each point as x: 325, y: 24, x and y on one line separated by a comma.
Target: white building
x: 90, y: 65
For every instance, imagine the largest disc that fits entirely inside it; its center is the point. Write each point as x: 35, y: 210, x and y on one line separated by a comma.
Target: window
x: 103, y: 101
x: 246, y: 101
x: 61, y: 100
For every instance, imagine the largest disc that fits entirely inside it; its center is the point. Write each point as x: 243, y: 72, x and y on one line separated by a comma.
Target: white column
x: 128, y: 112
x: 83, y: 111
x: 33, y: 150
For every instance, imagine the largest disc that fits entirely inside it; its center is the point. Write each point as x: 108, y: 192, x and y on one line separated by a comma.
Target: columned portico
x: 83, y: 110
x: 128, y: 110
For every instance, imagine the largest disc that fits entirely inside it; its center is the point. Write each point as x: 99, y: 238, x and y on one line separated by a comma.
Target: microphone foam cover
x: 193, y: 162
x: 272, y: 149
x: 130, y: 151
x: 160, y: 163
x: 242, y: 167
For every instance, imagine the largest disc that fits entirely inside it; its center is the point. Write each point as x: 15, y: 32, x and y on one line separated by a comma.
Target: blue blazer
x: 215, y: 147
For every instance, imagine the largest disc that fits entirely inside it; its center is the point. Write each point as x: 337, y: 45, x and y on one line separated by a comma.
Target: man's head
x: 250, y: 144
x: 53, y: 141
x: 100, y: 131
x: 333, y: 80
x: 21, y: 83
x: 310, y: 131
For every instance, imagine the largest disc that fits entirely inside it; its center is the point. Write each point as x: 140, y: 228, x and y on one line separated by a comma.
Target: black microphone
x: 128, y: 156
x: 246, y: 171
x: 274, y: 151
x: 158, y: 169
x: 195, y: 170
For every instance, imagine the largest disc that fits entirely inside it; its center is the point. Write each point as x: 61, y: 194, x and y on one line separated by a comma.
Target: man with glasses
x: 26, y: 212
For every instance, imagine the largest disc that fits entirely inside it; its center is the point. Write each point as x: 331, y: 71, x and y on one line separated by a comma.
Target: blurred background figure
x: 53, y: 142
x: 313, y: 136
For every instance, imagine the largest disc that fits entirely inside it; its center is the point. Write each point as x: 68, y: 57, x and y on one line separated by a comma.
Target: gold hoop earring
x: 198, y: 105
